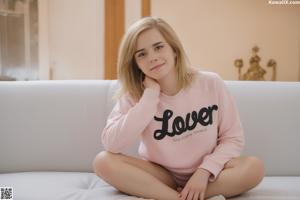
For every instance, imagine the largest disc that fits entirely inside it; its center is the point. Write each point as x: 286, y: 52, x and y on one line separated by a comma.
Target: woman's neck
x: 169, y: 84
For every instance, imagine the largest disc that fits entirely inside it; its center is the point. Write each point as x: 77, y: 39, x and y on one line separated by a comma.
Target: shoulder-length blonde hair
x: 129, y: 74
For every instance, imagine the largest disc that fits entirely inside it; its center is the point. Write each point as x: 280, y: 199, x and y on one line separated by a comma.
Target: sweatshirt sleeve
x: 127, y: 120
x: 230, y: 141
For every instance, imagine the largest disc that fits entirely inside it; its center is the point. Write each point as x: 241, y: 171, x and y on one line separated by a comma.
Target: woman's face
x: 153, y: 55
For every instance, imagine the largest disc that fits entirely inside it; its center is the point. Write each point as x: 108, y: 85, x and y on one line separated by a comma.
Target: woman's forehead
x: 149, y: 37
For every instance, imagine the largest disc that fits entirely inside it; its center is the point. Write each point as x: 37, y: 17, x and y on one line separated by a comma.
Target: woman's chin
x: 157, y: 76
x: 153, y: 76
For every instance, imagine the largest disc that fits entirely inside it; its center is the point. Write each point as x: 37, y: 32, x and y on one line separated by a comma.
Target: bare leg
x: 239, y: 175
x: 135, y: 176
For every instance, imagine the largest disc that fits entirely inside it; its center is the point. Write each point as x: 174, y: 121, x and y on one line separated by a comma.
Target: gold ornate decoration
x: 255, y: 71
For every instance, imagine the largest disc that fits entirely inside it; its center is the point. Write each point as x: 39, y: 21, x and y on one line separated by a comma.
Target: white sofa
x: 50, y: 133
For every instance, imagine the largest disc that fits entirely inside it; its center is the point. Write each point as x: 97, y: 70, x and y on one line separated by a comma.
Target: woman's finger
x: 190, y: 195
x: 202, y: 195
x: 196, y: 196
x: 184, y: 193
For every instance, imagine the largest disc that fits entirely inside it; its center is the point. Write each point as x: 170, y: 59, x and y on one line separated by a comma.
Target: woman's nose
x: 153, y: 57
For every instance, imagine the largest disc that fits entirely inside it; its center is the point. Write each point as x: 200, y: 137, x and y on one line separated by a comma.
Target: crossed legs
x: 146, y: 179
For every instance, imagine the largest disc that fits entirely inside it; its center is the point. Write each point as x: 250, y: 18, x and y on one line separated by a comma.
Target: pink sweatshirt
x: 199, y: 127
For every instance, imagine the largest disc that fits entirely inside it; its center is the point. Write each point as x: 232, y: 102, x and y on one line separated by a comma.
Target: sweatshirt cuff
x: 213, y: 168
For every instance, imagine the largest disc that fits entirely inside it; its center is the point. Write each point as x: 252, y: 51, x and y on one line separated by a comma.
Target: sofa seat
x: 59, y: 186
x: 77, y: 186
x: 275, y: 188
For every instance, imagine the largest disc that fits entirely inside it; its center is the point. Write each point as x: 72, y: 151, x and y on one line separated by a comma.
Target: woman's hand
x: 151, y: 83
x: 196, y: 186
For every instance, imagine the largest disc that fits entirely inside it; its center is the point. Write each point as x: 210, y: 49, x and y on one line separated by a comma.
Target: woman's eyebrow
x: 138, y: 51
x: 155, y: 44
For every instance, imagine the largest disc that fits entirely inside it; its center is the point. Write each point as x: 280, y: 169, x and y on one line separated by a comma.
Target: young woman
x: 187, y: 121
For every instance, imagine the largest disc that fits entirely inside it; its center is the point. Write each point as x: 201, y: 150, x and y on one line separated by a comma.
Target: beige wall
x: 215, y: 33
x: 132, y: 11
x: 74, y: 39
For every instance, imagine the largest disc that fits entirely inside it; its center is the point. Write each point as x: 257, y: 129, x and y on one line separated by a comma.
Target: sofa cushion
x: 87, y: 186
x: 55, y: 125
x: 58, y: 186
x: 274, y: 188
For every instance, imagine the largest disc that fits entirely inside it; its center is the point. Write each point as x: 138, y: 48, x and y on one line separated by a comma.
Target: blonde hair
x: 129, y: 74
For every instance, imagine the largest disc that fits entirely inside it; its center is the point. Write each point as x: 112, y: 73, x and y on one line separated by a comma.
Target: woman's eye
x: 159, y: 47
x: 140, y: 55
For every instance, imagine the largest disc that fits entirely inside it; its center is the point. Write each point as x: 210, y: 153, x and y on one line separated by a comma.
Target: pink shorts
x: 181, y: 179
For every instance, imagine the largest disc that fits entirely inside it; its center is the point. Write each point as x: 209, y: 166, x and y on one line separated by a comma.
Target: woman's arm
x: 230, y: 133
x: 128, y: 120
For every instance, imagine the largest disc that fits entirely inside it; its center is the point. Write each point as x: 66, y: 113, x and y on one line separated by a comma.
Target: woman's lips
x: 156, y: 67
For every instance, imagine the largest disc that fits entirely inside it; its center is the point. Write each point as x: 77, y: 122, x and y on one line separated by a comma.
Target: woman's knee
x: 103, y: 163
x: 254, y: 170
